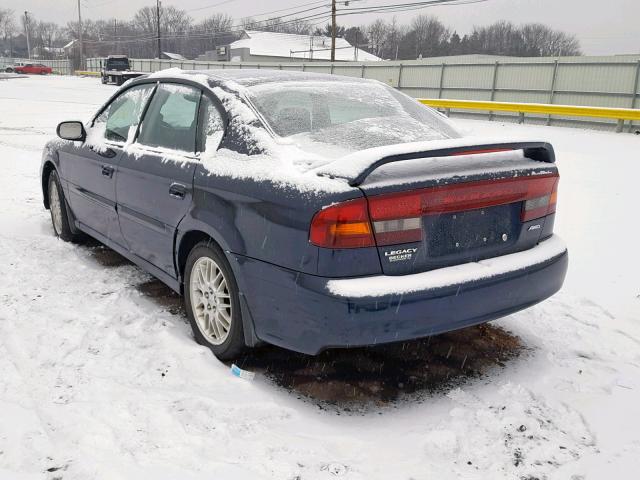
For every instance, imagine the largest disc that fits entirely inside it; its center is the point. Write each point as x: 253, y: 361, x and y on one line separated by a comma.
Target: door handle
x: 107, y: 171
x: 177, y: 190
x: 106, y: 153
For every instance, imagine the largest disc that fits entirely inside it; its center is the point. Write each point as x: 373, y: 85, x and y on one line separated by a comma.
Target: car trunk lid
x: 466, y: 206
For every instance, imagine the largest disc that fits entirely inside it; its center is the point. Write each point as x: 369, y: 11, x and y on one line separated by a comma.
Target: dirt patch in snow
x: 152, y: 288
x: 164, y: 296
x: 104, y: 255
x: 360, y: 377
x: 386, y: 373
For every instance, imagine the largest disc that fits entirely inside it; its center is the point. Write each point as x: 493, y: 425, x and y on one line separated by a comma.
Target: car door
x: 89, y: 171
x: 155, y: 180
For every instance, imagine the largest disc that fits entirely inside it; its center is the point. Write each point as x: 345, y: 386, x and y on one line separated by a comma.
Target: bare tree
x: 540, y: 40
x: 395, y: 35
x: 500, y: 38
x: 356, y: 36
x: 431, y: 36
x: 425, y: 36
x: 530, y: 40
x: 210, y: 32
x: 377, y: 36
x: 8, y: 29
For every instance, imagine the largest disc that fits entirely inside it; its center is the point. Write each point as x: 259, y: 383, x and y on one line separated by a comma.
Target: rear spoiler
x: 539, y: 151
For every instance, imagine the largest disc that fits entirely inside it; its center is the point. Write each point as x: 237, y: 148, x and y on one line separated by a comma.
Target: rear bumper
x: 308, y: 314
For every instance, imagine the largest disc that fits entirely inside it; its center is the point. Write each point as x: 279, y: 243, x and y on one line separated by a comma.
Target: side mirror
x: 72, y: 130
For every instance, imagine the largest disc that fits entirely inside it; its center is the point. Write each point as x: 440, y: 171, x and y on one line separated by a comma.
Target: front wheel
x: 57, y: 208
x: 212, y: 301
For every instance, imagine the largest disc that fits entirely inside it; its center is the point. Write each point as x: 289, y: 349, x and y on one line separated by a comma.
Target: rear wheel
x: 58, y: 210
x: 212, y: 301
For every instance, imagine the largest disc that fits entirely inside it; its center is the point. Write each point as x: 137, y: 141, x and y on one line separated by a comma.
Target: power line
x: 318, y: 17
x: 209, y: 6
x: 240, y: 27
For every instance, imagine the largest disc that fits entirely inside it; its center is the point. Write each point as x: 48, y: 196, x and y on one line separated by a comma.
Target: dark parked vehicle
x: 117, y: 70
x: 308, y: 211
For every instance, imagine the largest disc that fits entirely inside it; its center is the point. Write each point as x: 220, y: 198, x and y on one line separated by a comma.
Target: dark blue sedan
x: 308, y: 211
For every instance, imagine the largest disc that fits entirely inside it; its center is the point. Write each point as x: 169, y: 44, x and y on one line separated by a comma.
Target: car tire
x: 212, y: 301
x: 9, y: 70
x: 58, y: 210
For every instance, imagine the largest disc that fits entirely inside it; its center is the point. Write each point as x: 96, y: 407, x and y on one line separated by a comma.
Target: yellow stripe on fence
x: 87, y: 72
x: 539, y: 108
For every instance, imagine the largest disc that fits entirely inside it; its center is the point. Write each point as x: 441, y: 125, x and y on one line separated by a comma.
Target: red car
x: 34, y: 68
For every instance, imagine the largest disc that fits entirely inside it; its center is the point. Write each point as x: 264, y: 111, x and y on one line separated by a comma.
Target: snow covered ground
x: 97, y: 380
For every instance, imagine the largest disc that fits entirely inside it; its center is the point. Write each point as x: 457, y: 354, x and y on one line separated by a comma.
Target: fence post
x: 634, y: 97
x: 400, y: 77
x: 362, y: 72
x: 331, y: 71
x: 493, y: 86
x: 552, y: 88
x: 441, y: 80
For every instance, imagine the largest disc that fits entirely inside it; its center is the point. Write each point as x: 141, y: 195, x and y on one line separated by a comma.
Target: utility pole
x: 26, y: 27
x: 115, y: 35
x: 80, y: 37
x: 355, y: 48
x: 333, y: 30
x: 158, y: 25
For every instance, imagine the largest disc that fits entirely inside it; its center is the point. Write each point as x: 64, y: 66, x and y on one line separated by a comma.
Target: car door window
x: 170, y: 121
x: 212, y: 126
x: 120, y: 119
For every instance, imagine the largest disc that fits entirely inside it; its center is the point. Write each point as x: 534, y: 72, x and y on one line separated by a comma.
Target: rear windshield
x: 345, y: 116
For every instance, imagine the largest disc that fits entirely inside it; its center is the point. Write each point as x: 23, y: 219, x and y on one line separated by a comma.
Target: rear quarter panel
x: 260, y: 220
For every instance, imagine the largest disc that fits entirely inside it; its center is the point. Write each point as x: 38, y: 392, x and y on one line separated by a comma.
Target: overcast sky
x: 603, y: 26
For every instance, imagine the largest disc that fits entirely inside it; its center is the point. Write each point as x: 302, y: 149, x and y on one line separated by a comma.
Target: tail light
x: 396, y: 218
x: 543, y: 205
x: 345, y: 225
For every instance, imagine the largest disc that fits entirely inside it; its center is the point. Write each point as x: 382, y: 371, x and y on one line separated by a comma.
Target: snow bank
x: 382, y: 285
x: 113, y: 386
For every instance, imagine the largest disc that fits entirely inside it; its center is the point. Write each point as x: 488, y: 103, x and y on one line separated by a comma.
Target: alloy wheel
x: 56, y: 207
x: 210, y: 300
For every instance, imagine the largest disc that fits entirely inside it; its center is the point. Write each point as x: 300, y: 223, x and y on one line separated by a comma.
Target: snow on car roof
x: 248, y: 77
x: 298, y: 162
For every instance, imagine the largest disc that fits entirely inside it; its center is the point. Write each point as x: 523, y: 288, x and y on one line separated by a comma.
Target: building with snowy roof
x: 257, y: 46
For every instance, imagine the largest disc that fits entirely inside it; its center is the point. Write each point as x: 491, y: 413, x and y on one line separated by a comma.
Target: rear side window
x: 171, y: 120
x: 211, y: 126
x: 121, y: 117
